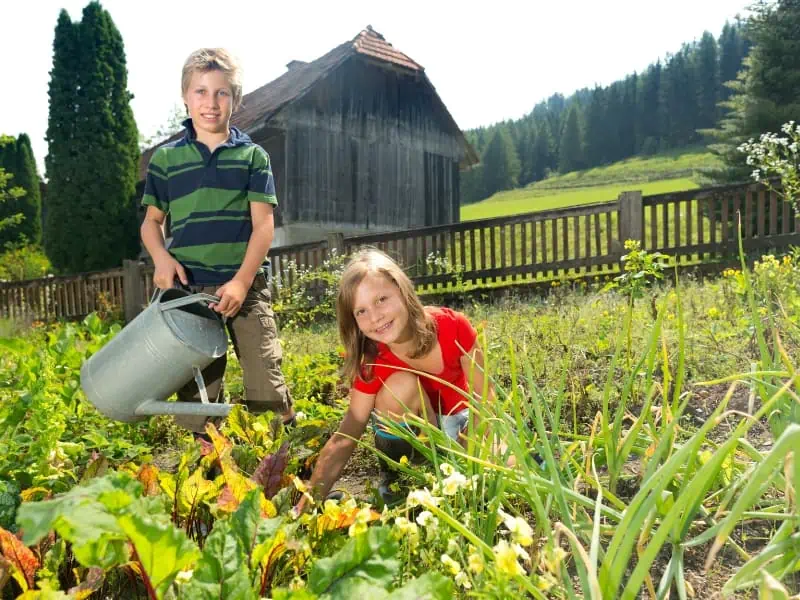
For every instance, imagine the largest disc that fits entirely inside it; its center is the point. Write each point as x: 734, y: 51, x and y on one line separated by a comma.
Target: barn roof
x: 260, y: 105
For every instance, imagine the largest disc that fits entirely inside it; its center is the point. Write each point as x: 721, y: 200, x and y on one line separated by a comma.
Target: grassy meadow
x: 668, y: 172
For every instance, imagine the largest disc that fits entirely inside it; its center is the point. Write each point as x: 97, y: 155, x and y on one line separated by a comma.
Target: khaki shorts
x: 255, y: 340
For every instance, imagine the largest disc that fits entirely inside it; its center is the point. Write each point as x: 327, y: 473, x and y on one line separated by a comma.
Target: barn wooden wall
x: 367, y: 148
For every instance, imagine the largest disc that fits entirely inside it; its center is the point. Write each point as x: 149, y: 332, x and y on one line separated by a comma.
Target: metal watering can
x: 155, y: 355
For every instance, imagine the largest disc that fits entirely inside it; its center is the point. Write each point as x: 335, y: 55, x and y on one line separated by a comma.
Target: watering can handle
x: 186, y: 300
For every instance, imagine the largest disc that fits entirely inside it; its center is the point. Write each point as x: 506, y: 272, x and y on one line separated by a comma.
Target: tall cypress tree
x: 30, y: 205
x: 93, y: 153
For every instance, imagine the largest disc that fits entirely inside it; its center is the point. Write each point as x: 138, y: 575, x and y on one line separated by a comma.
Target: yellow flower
x: 404, y: 460
x: 450, y: 564
x: 505, y: 557
x: 713, y: 313
x: 475, y: 561
x: 360, y: 524
x: 521, y: 532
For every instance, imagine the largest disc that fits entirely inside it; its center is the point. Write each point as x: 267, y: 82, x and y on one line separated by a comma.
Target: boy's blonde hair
x: 209, y: 59
x: 359, y: 349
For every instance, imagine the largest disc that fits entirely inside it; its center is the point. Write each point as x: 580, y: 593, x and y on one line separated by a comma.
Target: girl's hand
x: 167, y: 269
x: 231, y: 297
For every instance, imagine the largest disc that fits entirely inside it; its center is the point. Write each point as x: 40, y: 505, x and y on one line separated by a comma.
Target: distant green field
x: 667, y: 172
x: 529, y: 199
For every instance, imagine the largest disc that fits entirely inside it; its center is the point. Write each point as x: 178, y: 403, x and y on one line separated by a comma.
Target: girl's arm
x: 340, y: 446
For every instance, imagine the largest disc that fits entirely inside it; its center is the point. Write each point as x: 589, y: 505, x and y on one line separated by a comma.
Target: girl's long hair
x: 360, y: 351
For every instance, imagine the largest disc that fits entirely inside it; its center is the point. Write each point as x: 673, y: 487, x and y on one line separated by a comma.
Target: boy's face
x: 209, y: 99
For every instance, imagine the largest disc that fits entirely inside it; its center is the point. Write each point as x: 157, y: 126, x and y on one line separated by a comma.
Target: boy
x: 218, y: 187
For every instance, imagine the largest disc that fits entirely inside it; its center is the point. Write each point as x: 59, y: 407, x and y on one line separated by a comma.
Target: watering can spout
x: 192, y: 409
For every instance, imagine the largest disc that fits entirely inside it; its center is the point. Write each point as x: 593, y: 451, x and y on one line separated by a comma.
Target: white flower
x: 451, y: 485
x: 426, y: 519
x: 422, y: 498
x: 462, y: 579
x: 183, y: 576
x: 452, y: 545
x: 446, y: 469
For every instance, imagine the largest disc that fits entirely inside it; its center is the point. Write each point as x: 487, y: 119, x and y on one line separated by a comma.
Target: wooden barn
x: 359, y: 141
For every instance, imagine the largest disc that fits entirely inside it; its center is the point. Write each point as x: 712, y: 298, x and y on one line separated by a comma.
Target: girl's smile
x: 380, y: 310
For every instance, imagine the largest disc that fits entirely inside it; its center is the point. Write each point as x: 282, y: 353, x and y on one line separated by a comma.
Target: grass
x: 666, y: 172
x: 650, y: 469
x: 531, y: 199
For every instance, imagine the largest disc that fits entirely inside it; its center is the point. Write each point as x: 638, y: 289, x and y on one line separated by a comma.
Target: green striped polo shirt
x: 208, y: 195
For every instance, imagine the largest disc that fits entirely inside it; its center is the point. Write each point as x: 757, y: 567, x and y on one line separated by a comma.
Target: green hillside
x: 668, y: 172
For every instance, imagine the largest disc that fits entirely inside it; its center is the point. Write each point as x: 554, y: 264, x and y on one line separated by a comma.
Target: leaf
x: 431, y: 586
x: 97, y: 467
x: 771, y: 588
x: 369, y: 556
x: 28, y: 494
x: 269, y: 472
x: 162, y: 549
x: 238, y: 421
x: 222, y: 570
x: 46, y: 593
x: 94, y: 579
x: 344, y: 518
x: 222, y: 445
x: 148, y: 476
x: 194, y: 490
x: 248, y: 525
x: 301, y: 594
x: 24, y: 562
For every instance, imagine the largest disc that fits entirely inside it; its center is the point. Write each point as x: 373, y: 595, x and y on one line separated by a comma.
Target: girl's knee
x: 401, y: 392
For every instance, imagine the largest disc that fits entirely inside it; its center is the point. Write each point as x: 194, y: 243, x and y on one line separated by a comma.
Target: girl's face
x: 380, y: 310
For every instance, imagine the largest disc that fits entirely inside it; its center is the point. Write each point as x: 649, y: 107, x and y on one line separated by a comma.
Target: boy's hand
x: 167, y: 269
x: 232, y: 296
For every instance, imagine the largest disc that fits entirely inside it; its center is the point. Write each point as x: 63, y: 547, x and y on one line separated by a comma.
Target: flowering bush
x: 776, y: 156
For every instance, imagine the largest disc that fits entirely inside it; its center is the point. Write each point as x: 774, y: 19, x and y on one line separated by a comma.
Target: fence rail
x: 695, y: 226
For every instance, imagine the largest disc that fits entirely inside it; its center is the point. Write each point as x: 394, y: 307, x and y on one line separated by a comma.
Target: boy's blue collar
x: 236, y: 138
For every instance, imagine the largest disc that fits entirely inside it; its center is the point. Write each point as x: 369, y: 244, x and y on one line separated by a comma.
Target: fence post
x: 631, y: 218
x: 336, y: 242
x: 132, y: 289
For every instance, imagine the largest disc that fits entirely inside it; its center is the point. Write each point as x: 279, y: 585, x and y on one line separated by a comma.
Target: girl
x: 383, y: 323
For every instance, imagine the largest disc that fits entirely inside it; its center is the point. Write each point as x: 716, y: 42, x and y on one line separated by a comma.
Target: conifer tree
x: 500, y: 163
x: 767, y: 91
x: 93, y: 154
x: 30, y: 205
x: 570, y: 151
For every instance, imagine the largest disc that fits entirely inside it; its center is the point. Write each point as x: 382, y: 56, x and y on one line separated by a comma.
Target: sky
x: 490, y: 62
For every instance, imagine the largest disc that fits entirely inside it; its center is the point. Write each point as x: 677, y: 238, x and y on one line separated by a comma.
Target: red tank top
x: 454, y: 332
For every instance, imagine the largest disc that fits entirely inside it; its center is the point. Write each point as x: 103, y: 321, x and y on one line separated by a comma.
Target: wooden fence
x: 695, y: 226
